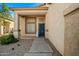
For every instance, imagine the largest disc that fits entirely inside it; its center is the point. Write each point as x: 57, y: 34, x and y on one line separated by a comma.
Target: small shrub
x: 7, y: 39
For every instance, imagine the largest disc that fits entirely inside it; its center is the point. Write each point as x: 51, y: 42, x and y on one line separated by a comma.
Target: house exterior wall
x: 2, y: 32
x: 30, y: 12
x: 22, y: 33
x: 7, y: 27
x: 55, y: 24
x: 72, y: 33
x: 11, y: 26
x: 25, y: 12
x: 16, y: 30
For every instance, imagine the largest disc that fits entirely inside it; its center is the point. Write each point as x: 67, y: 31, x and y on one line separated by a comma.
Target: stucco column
x: 46, y: 27
x: 2, y: 30
x: 15, y: 32
x: 37, y: 20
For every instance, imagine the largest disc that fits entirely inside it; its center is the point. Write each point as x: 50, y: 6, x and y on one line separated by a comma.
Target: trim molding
x: 20, y: 9
x: 30, y: 23
x: 71, y: 11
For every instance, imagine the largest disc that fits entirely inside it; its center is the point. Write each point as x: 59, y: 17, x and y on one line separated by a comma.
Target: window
x: 30, y: 25
x: 30, y: 28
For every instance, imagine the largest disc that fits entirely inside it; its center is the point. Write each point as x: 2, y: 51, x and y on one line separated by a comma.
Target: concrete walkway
x: 39, y: 48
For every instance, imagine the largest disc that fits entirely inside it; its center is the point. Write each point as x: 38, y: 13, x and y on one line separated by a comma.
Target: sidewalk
x: 40, y: 48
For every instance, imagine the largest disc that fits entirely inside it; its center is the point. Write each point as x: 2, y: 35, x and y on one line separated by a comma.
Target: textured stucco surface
x: 8, y: 27
x: 55, y: 24
x: 23, y: 34
x: 25, y: 12
x: 72, y: 33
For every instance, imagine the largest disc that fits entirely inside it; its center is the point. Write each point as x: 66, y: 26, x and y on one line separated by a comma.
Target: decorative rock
x: 12, y: 48
x: 18, y: 44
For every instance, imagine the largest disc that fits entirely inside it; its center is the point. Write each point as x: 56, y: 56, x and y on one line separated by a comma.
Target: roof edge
x: 37, y: 8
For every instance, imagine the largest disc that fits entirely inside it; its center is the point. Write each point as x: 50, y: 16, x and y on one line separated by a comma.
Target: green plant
x: 5, y: 11
x: 7, y: 39
x: 4, y: 14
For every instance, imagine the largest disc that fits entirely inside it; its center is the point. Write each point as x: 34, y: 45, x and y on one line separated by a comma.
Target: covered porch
x: 29, y: 23
x: 31, y: 26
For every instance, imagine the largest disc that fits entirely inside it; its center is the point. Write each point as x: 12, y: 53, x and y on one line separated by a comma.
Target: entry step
x: 38, y: 54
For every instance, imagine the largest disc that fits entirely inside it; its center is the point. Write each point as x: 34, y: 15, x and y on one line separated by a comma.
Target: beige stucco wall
x: 31, y: 12
x: 15, y: 30
x: 8, y: 27
x: 26, y: 12
x: 72, y: 33
x: 11, y: 26
x: 23, y: 35
x: 55, y: 24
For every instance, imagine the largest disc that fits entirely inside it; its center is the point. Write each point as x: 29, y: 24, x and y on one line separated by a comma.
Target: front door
x: 41, y: 30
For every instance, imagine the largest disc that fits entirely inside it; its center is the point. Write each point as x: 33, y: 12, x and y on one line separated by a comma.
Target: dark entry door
x: 41, y: 30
